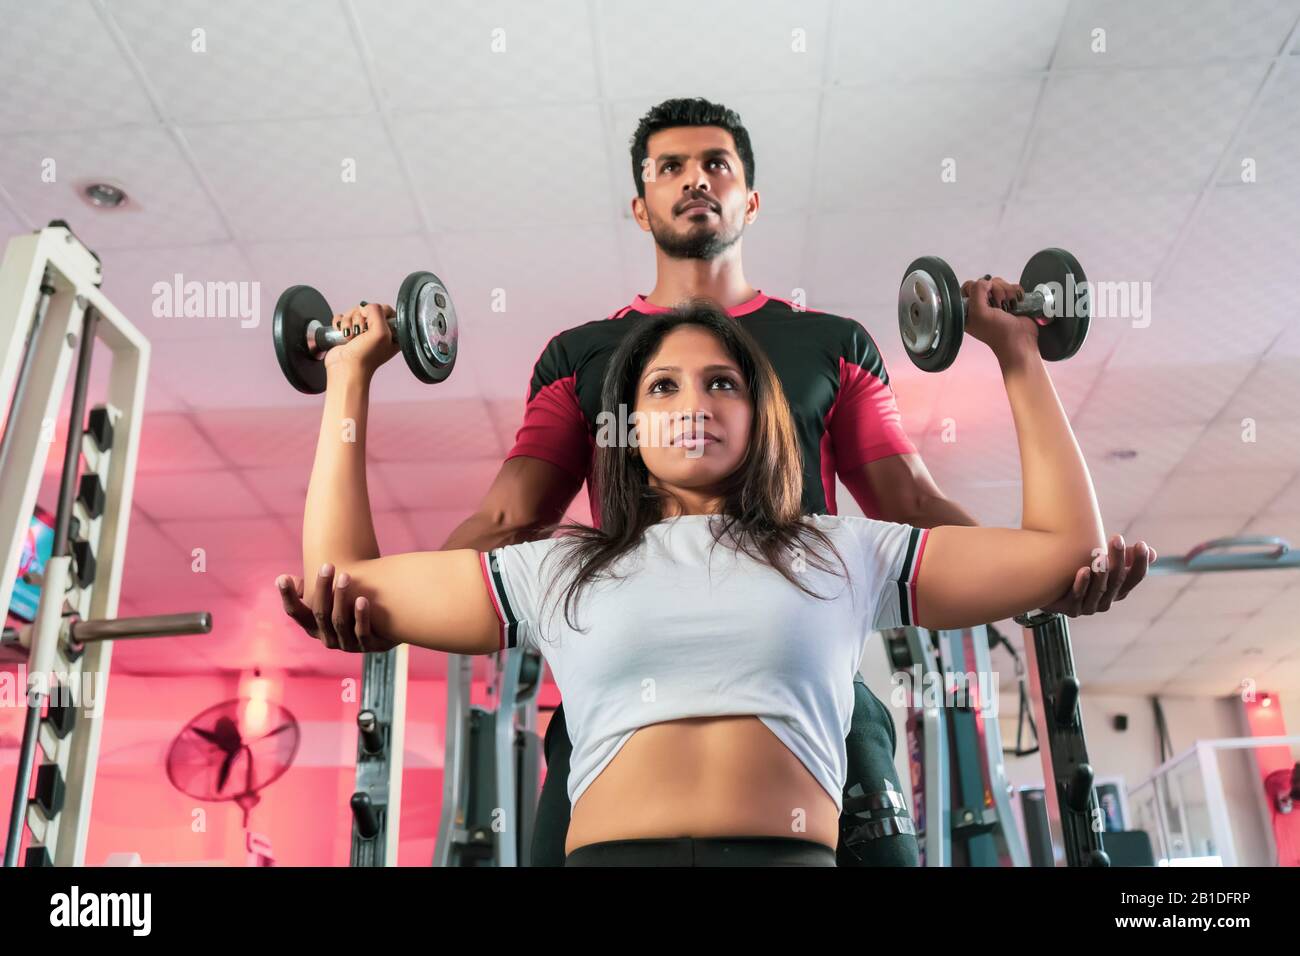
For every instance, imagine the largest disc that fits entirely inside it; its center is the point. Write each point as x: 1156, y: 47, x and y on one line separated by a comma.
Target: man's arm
x: 526, y: 496
x: 904, y: 491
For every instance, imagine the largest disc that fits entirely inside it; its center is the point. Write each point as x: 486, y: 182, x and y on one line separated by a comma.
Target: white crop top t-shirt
x: 687, y: 633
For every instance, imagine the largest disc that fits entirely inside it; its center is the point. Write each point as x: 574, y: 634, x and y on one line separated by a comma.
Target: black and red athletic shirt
x: 834, y: 379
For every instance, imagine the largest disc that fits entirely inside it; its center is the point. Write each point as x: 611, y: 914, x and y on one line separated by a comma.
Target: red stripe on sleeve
x: 915, y: 577
x: 492, y: 596
x: 864, y: 420
x: 555, y: 430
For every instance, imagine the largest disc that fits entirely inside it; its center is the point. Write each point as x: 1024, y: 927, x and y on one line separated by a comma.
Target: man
x: 694, y: 170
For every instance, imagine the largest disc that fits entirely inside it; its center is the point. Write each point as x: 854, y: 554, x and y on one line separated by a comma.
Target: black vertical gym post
x: 371, y: 798
x: 61, y: 548
x: 1068, y: 787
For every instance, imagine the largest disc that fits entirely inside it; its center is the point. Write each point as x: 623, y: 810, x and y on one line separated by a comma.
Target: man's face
x: 697, y: 203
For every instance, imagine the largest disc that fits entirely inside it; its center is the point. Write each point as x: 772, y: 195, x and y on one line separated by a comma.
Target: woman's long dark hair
x: 762, y: 499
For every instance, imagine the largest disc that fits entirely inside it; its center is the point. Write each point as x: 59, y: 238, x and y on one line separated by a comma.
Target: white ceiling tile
x: 1115, y: 628
x: 195, y: 494
x: 431, y: 527
x: 1158, y: 394
x: 344, y: 271
x: 292, y: 58
x: 718, y: 47
x: 1115, y: 242
x: 889, y: 146
x: 262, y: 437
x: 292, y: 179
x: 1272, y: 384
x: 774, y: 253
x: 166, y: 203
x: 10, y: 226
x: 283, y: 489
x: 1237, y: 234
x: 1246, y: 652
x: 1125, y: 485
x: 1271, y: 523
x: 935, y: 37
x: 1152, y: 133
x: 1206, y: 493
x: 1286, y: 347
x: 1267, y: 147
x: 960, y: 450
x: 155, y: 567
x: 433, y: 431
x: 994, y: 504
x: 1276, y: 447
x: 235, y: 369
x: 1177, y: 327
x: 45, y: 91
x: 170, y: 586
x: 1180, y: 640
x: 1092, y: 659
x: 515, y: 291
x: 170, y: 442
x: 1284, y: 676
x: 463, y: 54
x: 862, y: 257
x: 514, y: 156
x: 1198, y: 604
x: 441, y: 486
x: 144, y: 284
x: 1167, y: 31
x: 1146, y: 601
x: 1288, y: 500
x: 233, y: 549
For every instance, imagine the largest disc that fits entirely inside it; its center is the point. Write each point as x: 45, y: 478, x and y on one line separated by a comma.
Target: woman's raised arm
x: 970, y: 576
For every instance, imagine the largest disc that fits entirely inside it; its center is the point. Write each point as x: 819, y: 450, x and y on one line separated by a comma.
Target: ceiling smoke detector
x: 104, y: 195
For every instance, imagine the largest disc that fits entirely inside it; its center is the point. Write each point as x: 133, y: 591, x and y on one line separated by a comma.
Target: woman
x: 705, y: 638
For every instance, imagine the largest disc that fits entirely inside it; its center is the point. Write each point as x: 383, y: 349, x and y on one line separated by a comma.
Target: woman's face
x: 694, y: 412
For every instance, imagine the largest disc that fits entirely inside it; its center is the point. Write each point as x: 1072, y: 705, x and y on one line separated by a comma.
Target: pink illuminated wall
x: 304, y: 813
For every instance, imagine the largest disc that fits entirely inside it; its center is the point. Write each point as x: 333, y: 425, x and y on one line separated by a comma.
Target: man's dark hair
x: 690, y: 112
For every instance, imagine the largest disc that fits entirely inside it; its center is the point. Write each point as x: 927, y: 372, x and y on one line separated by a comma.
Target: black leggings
x: 875, y: 827
x: 712, y: 851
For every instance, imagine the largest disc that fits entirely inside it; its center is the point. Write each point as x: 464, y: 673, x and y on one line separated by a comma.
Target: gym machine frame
x: 964, y: 805
x: 50, y: 308
x: 492, y: 764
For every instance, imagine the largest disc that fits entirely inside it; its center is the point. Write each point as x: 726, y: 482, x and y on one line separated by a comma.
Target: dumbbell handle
x: 1038, y: 303
x: 322, y: 337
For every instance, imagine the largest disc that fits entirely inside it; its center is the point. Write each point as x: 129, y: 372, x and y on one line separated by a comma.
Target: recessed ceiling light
x: 104, y: 195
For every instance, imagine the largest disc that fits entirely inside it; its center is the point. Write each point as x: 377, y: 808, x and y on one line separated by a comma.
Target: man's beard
x: 696, y: 243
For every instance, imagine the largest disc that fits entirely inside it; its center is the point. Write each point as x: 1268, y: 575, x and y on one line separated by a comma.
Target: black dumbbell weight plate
x: 426, y: 327
x: 930, y: 315
x: 1061, y: 271
x: 297, y: 307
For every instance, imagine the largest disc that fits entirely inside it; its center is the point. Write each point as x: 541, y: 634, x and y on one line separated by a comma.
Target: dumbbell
x: 932, y: 310
x: 425, y: 327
